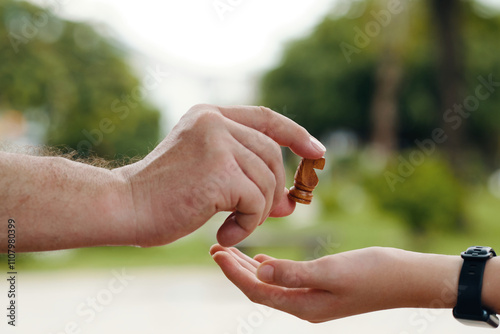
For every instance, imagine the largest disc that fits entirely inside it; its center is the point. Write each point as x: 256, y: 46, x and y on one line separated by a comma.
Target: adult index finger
x: 278, y: 127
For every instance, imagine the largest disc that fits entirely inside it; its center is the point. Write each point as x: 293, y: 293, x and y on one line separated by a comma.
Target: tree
x: 384, y: 106
x: 328, y: 80
x: 76, y: 79
x: 450, y: 64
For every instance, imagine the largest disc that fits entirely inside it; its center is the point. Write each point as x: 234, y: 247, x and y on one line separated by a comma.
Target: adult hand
x: 344, y: 284
x: 215, y: 159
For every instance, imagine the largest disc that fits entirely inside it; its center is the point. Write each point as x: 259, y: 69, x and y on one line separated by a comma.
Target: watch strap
x: 471, y: 282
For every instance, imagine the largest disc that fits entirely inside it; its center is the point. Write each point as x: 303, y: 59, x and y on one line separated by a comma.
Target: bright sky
x: 213, y: 50
x: 238, y: 33
x: 212, y: 54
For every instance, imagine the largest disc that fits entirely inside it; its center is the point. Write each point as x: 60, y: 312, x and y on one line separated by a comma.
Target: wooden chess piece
x: 305, y: 180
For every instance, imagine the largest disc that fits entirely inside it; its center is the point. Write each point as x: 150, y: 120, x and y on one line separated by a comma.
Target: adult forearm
x: 58, y: 203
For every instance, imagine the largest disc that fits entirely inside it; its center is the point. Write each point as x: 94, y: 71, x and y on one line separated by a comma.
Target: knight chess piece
x: 305, y: 180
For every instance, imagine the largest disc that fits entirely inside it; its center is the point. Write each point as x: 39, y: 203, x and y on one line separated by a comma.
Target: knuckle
x: 201, y: 107
x: 268, y: 114
x: 205, y: 127
x: 203, y: 117
x: 264, y: 111
x: 275, y: 149
x: 376, y: 252
x: 260, y: 202
x: 256, y: 206
x: 269, y: 180
x: 208, y: 117
x: 277, y: 163
x: 274, y: 121
x: 272, y: 184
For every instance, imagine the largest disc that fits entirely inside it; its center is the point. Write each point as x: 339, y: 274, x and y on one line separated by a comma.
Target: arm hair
x: 67, y: 153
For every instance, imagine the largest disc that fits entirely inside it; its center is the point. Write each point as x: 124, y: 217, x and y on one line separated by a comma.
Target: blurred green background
x: 405, y: 95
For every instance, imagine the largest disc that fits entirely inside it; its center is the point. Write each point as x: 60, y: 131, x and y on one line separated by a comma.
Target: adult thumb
x: 290, y: 274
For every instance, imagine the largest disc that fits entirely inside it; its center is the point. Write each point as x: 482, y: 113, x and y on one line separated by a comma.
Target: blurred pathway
x: 180, y: 300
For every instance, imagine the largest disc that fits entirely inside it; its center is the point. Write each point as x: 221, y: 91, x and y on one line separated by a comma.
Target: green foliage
x: 324, y: 90
x: 422, y: 194
x: 75, y: 79
x: 317, y: 86
x: 429, y: 196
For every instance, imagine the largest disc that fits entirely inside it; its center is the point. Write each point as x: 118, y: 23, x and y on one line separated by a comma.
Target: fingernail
x: 317, y: 144
x: 265, y: 273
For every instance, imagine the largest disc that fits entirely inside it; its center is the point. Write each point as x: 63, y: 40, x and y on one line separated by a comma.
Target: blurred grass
x: 308, y: 233
x: 193, y: 250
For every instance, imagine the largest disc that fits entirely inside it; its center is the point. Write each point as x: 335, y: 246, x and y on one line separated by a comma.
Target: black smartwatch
x: 469, y: 309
